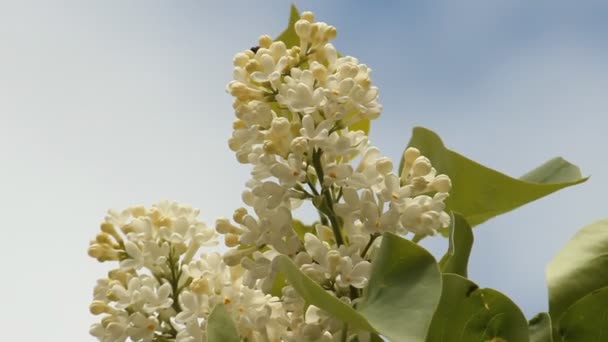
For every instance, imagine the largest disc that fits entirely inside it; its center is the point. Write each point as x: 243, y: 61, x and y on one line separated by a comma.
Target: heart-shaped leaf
x: 467, y: 313
x: 579, y: 268
x: 403, y: 290
x: 461, y: 241
x: 480, y: 193
x: 587, y: 319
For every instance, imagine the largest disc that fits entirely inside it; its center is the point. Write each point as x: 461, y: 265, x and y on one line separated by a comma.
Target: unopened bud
x: 223, y: 226
x: 330, y: 33
x: 252, y: 66
x: 98, y: 307
x: 104, y: 239
x: 240, y: 60
x: 384, y: 165
x: 101, y: 252
x: 264, y: 41
x: 410, y: 155
x: 302, y: 28
x: 238, y: 124
x: 119, y: 275
x: 441, y: 183
x: 422, y: 166
x: 231, y: 240
x: 333, y: 260
x: 308, y: 16
x: 239, y: 214
x: 108, y: 228
x: 233, y: 257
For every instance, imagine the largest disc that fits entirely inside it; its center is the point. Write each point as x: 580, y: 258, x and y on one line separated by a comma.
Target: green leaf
x: 289, y: 36
x: 579, y: 268
x: 459, y: 250
x: 278, y: 284
x: 220, y: 327
x: 540, y: 328
x: 587, y: 319
x: 467, y: 313
x: 556, y: 170
x: 361, y: 125
x: 314, y: 294
x: 403, y: 290
x: 480, y: 193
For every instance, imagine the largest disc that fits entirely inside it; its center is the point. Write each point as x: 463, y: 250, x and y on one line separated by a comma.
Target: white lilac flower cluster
x: 298, y: 109
x: 164, y: 289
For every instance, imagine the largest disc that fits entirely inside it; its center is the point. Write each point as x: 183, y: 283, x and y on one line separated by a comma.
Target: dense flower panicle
x: 296, y: 108
x: 151, y: 245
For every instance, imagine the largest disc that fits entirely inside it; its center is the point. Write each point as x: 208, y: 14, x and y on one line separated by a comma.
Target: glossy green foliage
x: 403, y: 291
x: 540, y: 328
x: 579, y: 268
x: 456, y: 259
x: 480, y: 193
x: 220, y: 326
x: 467, y: 313
x: 586, y: 320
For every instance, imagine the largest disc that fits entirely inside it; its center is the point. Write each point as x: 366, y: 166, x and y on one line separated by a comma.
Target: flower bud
x: 108, y: 228
x: 308, y: 16
x: 253, y: 65
x: 409, y: 156
x: 98, y: 307
x: 330, y: 33
x: 231, y: 240
x: 223, y: 226
x: 384, y: 165
x: 104, y: 239
x: 240, y: 60
x: 233, y: 257
x: 421, y: 167
x: 264, y: 41
x: 303, y: 29
x: 238, y: 124
x: 239, y: 214
x: 441, y: 183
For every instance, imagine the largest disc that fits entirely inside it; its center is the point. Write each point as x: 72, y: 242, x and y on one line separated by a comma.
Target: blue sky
x: 111, y: 103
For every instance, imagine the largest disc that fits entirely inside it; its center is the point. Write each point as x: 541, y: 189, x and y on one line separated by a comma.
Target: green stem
x: 417, y: 238
x: 372, y: 238
x: 327, y: 206
x: 175, y: 275
x: 344, y: 333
